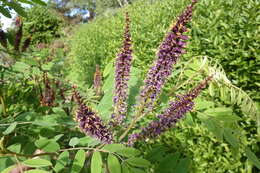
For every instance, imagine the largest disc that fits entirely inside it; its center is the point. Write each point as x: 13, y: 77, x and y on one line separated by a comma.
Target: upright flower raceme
x: 89, y: 122
x: 176, y: 111
x: 122, y: 73
x: 169, y: 52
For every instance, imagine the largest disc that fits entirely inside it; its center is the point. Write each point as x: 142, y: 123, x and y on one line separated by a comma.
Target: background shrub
x: 43, y: 25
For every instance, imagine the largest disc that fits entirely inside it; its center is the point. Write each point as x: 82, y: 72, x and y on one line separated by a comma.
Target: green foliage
x: 43, y: 25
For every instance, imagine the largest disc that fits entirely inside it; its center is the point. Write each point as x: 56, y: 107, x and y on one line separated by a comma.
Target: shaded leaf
x: 47, y: 145
x: 252, y: 157
x: 183, y: 166
x: 231, y: 138
x: 61, y: 161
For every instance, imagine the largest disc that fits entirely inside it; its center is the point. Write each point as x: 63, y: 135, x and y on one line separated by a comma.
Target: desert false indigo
x: 89, y: 122
x: 122, y: 71
x: 169, y: 52
x: 176, y: 111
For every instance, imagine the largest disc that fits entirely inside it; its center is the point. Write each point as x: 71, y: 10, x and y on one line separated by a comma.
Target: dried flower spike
x: 122, y: 72
x: 89, y: 122
x: 3, y: 39
x: 169, y: 52
x: 26, y: 44
x: 48, y: 95
x: 175, y: 112
x: 19, y: 33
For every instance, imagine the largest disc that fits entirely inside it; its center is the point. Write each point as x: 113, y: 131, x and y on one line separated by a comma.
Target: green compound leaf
x: 96, y: 163
x: 138, y: 162
x: 5, y: 12
x: 113, y: 164
x: 252, y: 157
x: 10, y: 129
x: 61, y: 161
x: 37, y: 162
x: 79, y: 161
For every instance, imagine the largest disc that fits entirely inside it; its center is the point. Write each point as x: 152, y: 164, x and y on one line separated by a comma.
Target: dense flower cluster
x: 169, y: 51
x: 89, y: 122
x: 122, y: 71
x: 176, y: 111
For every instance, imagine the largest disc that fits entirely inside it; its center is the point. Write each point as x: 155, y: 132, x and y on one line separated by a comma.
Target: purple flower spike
x: 90, y: 123
x: 169, y: 52
x: 122, y: 72
x: 176, y: 111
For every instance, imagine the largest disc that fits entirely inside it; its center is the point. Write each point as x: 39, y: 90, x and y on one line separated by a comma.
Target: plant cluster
x: 125, y: 112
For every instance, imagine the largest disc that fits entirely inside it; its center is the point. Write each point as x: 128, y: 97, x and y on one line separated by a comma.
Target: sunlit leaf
x: 96, y: 162
x: 37, y: 162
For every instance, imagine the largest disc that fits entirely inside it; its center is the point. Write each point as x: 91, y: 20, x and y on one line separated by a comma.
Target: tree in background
x: 75, y: 11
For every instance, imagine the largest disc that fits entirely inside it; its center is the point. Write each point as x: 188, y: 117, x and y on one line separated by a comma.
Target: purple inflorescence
x: 176, y: 111
x: 123, y: 65
x: 169, y: 51
x: 90, y: 123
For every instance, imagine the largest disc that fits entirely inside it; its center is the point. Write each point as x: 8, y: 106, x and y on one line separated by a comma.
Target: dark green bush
x: 43, y: 25
x: 224, y: 30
